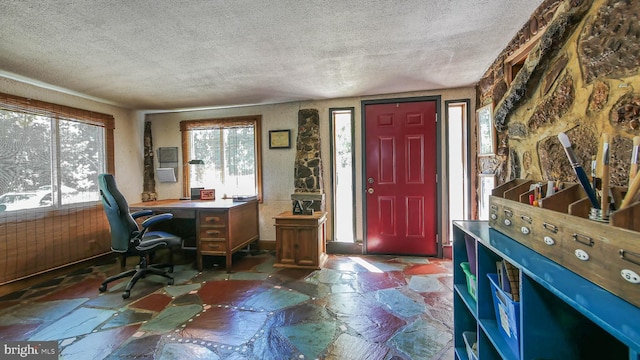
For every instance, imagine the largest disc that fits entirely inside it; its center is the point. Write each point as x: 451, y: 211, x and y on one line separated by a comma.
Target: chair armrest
x: 140, y: 213
x: 147, y: 245
x: 151, y: 244
x: 156, y: 218
x: 154, y: 239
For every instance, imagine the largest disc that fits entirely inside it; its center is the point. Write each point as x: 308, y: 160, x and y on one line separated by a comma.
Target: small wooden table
x: 300, y: 240
x: 221, y: 227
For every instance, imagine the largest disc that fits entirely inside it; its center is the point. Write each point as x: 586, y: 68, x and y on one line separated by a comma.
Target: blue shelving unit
x: 562, y: 315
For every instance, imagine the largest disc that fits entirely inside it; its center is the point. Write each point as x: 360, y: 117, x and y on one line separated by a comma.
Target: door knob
x: 370, y: 180
x: 370, y: 190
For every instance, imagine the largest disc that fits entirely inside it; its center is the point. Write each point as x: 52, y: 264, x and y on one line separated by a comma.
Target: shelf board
x: 471, y: 303
x: 478, y: 229
x: 490, y: 328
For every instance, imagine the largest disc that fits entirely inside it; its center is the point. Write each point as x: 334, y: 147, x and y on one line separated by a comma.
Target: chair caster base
x: 103, y: 288
x: 126, y: 294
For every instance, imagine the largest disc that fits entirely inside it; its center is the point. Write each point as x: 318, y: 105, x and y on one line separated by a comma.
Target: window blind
x: 35, y: 239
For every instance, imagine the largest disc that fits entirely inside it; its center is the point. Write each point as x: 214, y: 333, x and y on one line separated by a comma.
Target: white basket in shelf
x: 470, y: 339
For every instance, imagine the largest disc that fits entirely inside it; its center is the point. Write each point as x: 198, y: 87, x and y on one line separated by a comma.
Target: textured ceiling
x: 175, y: 54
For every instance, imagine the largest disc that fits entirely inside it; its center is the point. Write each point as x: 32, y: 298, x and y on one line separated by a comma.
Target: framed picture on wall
x: 279, y: 139
x: 486, y: 183
x: 486, y: 131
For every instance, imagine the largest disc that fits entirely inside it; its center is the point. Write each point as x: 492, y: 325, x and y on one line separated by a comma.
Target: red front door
x: 401, y: 155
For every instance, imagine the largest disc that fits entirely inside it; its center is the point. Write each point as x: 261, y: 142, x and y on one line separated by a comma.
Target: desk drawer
x: 177, y: 213
x: 216, y: 218
x: 208, y: 232
x: 183, y: 214
x: 213, y: 246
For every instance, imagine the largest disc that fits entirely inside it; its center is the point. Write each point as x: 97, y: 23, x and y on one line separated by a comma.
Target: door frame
x: 363, y: 104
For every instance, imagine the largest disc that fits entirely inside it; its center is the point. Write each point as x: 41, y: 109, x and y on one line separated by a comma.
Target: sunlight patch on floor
x: 365, y: 264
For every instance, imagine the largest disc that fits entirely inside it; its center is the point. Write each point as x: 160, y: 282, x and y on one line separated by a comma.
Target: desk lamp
x: 191, y: 162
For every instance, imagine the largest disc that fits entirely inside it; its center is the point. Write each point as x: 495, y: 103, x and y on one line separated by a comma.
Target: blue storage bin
x: 507, y: 315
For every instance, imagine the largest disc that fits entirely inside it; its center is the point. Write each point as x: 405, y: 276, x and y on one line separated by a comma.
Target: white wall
x: 278, y: 164
x: 129, y: 128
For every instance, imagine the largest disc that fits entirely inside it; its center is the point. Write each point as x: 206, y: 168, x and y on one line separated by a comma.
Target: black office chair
x: 129, y: 239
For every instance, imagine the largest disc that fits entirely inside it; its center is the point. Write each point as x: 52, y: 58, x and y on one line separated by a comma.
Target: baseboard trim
x: 335, y: 247
x: 28, y: 281
x: 268, y: 245
x: 447, y: 252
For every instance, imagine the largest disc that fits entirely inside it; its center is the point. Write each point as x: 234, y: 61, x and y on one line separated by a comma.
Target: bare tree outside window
x: 46, y: 161
x: 230, y: 150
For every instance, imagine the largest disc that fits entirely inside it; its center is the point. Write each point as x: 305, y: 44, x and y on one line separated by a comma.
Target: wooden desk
x: 222, y: 227
x: 300, y: 240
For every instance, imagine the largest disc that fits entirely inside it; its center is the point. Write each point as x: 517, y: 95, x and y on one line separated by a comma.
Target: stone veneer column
x: 308, y: 181
x: 149, y: 184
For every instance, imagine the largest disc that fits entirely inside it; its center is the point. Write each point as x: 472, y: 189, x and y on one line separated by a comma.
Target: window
x: 230, y: 151
x: 341, y: 122
x: 457, y: 161
x: 51, y: 154
x: 514, y: 62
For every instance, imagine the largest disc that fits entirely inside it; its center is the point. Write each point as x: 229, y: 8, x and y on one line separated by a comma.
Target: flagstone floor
x: 355, y: 307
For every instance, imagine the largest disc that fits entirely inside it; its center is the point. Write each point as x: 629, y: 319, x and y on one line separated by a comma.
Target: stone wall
x: 495, y: 88
x: 580, y: 79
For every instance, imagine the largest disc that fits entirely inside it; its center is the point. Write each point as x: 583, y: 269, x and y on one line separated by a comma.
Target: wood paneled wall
x: 39, y: 240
